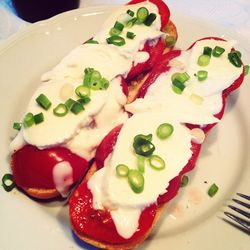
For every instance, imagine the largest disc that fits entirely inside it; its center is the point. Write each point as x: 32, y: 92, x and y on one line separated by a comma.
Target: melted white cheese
x: 114, y: 192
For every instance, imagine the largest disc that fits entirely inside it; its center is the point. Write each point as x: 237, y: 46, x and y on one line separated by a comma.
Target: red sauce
x: 32, y: 167
x: 98, y: 224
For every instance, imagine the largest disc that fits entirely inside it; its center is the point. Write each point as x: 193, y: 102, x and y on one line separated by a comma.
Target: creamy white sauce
x: 115, y: 193
x: 63, y: 177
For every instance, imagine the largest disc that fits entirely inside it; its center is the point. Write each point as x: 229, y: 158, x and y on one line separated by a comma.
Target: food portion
x: 82, y: 98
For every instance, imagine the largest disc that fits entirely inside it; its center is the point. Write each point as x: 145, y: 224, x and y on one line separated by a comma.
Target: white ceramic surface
x: 192, y: 220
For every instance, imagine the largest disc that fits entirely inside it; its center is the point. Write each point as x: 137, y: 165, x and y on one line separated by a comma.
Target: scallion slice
x: 77, y: 108
x: 142, y: 14
x: 38, y: 118
x: 207, y: 51
x: 164, y: 130
x: 184, y: 181
x: 130, y: 35
x: 87, y: 76
x: 8, y: 182
x: 122, y: 170
x: 213, y: 190
x: 136, y: 180
x: 142, y: 145
x: 61, y: 110
x: 114, y: 32
x: 178, y: 84
x: 218, y: 51
x: 131, y: 22
x: 156, y: 162
x: 116, y: 40
x: 246, y: 70
x: 130, y: 12
x: 203, y: 60
x: 181, y: 77
x: 84, y: 100
x: 170, y: 41
x: 177, y: 90
x: 28, y: 120
x: 69, y: 103
x: 82, y: 91
x: 141, y: 163
x: 17, y: 125
x: 118, y: 26
x: 104, y: 83
x: 92, y: 41
x: 43, y: 101
x: 202, y: 75
x: 234, y: 59
x: 150, y: 19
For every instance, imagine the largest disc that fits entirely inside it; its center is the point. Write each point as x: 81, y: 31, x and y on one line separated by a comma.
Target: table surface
x: 232, y: 14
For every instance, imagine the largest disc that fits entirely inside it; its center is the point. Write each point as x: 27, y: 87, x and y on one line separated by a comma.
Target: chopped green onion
x: 156, y: 162
x: 213, y: 190
x: 184, y: 181
x: 122, y: 170
x: 150, y: 19
x: 207, y: 51
x: 136, y: 180
x: 69, y: 103
x: 84, y: 100
x: 196, y: 99
x: 202, y: 75
x: 82, y: 91
x: 116, y: 40
x: 141, y: 163
x: 77, y: 108
x: 87, y: 76
x: 177, y: 90
x: 38, y: 118
x: 142, y: 145
x: 28, y: 120
x: 234, y: 59
x: 8, y: 182
x: 170, y: 41
x: 17, y: 125
x: 114, y: 32
x: 246, y: 70
x: 164, y: 130
x: 97, y: 85
x: 43, y: 101
x: 130, y: 35
x: 142, y: 14
x: 104, y: 83
x: 131, y: 22
x: 92, y: 41
x: 203, y: 60
x: 146, y: 137
x: 118, y: 26
x: 238, y: 53
x: 178, y: 84
x: 218, y: 51
x: 181, y: 77
x: 61, y: 109
x: 131, y: 13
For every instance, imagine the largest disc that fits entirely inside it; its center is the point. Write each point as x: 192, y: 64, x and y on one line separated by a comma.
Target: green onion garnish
x: 203, y: 60
x: 8, y: 182
x: 87, y: 76
x: 77, y: 108
x: 202, y: 75
x: 150, y: 19
x: 218, y: 51
x: 84, y: 100
x: 38, y: 118
x: 141, y: 163
x: 61, y: 109
x: 82, y: 91
x: 116, y: 40
x: 92, y: 41
x: 234, y: 59
x: 136, y: 180
x: 43, y: 101
x: 156, y: 162
x: 181, y: 77
x: 176, y: 90
x: 142, y: 14
x: 118, y: 26
x: 178, y: 84
x: 114, y: 32
x: 17, y: 125
x: 28, y: 120
x: 246, y: 70
x: 213, y: 190
x: 164, y: 130
x: 184, y: 181
x: 207, y: 51
x: 130, y: 35
x: 238, y: 53
x: 170, y: 41
x: 69, y: 103
x: 142, y: 145
x: 122, y: 170
x: 131, y: 22
x: 131, y: 13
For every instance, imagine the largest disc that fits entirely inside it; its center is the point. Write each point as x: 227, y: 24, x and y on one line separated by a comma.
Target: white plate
x: 192, y: 220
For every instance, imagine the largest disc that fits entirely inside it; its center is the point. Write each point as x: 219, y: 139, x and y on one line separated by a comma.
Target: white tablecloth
x: 233, y: 14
